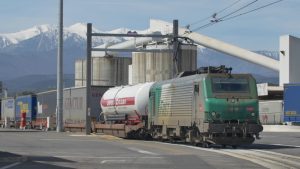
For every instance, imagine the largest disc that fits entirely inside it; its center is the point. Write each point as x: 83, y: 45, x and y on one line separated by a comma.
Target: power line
x: 243, y: 7
x: 229, y: 6
x: 225, y: 18
x: 217, y: 20
x: 222, y: 10
x: 264, y: 6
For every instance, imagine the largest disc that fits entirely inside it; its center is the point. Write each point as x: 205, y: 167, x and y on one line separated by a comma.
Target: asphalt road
x: 69, y: 150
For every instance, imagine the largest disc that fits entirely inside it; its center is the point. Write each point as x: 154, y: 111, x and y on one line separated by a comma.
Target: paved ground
x: 68, y: 150
x: 287, y: 143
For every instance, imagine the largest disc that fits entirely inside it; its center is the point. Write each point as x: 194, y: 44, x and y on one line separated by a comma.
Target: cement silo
x: 106, y: 71
x: 80, y: 72
x: 157, y: 66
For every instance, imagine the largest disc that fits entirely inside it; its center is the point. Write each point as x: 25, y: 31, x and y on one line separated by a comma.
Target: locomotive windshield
x: 232, y: 85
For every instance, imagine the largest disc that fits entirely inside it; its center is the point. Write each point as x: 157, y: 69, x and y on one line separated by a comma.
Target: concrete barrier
x: 281, y: 128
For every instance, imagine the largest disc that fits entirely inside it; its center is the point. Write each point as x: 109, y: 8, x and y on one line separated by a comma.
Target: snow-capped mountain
x: 15, y: 38
x: 42, y: 33
x: 33, y: 51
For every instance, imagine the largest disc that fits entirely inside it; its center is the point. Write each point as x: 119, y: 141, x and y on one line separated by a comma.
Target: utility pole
x: 176, y: 59
x: 59, y: 103
x: 88, y: 79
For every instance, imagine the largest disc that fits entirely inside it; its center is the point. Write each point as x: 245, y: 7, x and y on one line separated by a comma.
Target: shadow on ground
x: 31, y: 162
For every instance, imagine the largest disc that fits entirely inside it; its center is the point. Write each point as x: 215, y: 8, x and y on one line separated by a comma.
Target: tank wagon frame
x: 212, y: 106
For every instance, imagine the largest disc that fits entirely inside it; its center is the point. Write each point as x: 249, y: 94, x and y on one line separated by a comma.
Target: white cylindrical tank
x: 126, y: 100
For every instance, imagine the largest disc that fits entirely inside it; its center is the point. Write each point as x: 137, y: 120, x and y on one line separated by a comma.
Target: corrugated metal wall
x: 75, y: 102
x: 46, y: 103
x: 271, y: 112
x: 8, y: 108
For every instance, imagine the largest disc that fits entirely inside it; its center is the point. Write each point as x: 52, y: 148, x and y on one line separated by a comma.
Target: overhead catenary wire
x: 222, y: 10
x: 264, y: 6
x: 212, y: 22
x: 241, y: 8
x: 228, y: 16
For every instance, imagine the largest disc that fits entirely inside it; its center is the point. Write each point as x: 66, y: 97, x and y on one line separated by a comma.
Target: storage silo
x: 138, y: 67
x: 157, y: 66
x: 106, y: 71
x: 110, y: 71
x: 80, y: 75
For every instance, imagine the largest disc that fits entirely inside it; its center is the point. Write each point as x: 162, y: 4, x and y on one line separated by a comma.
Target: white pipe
x: 131, y: 43
x: 232, y: 50
x: 123, y: 45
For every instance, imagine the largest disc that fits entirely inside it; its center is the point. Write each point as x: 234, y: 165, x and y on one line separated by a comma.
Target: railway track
x: 267, y: 159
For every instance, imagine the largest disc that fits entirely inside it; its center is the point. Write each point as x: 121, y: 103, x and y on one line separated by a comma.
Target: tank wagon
x: 206, y: 106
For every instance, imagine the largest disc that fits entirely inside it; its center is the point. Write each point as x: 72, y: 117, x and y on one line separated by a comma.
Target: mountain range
x: 29, y: 56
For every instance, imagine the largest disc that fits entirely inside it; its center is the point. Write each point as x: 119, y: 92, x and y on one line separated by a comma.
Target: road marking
x: 285, y: 145
x: 161, y: 147
x: 11, y: 165
x: 81, y: 135
x: 142, y: 151
x: 92, y: 157
x: 113, y: 161
x: 264, y: 158
x: 58, y: 139
x: 278, y: 154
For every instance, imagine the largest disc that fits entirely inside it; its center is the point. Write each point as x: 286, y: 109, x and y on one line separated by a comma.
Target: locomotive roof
x: 195, y: 78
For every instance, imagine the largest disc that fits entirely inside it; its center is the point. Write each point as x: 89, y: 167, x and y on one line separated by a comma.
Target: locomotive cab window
x: 225, y: 85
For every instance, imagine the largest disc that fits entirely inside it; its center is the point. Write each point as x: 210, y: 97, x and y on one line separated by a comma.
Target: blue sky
x: 259, y: 30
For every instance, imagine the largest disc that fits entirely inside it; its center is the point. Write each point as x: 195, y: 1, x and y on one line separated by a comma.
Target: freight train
x: 207, y: 106
x: 40, y: 108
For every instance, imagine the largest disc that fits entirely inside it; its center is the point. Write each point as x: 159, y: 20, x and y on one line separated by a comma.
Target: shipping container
x: 271, y: 112
x: 0, y: 109
x: 291, y: 102
x: 46, y: 104
x: 8, y: 109
x: 74, y: 104
x: 27, y: 104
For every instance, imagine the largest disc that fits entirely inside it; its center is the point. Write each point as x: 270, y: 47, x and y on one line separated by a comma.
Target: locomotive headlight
x: 215, y: 115
x: 252, y: 114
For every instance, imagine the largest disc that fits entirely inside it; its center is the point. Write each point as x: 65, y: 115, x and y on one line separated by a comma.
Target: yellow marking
x: 290, y: 113
x: 107, y: 137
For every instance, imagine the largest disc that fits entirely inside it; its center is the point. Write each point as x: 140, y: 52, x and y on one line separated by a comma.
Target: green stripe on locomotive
x: 217, y: 105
